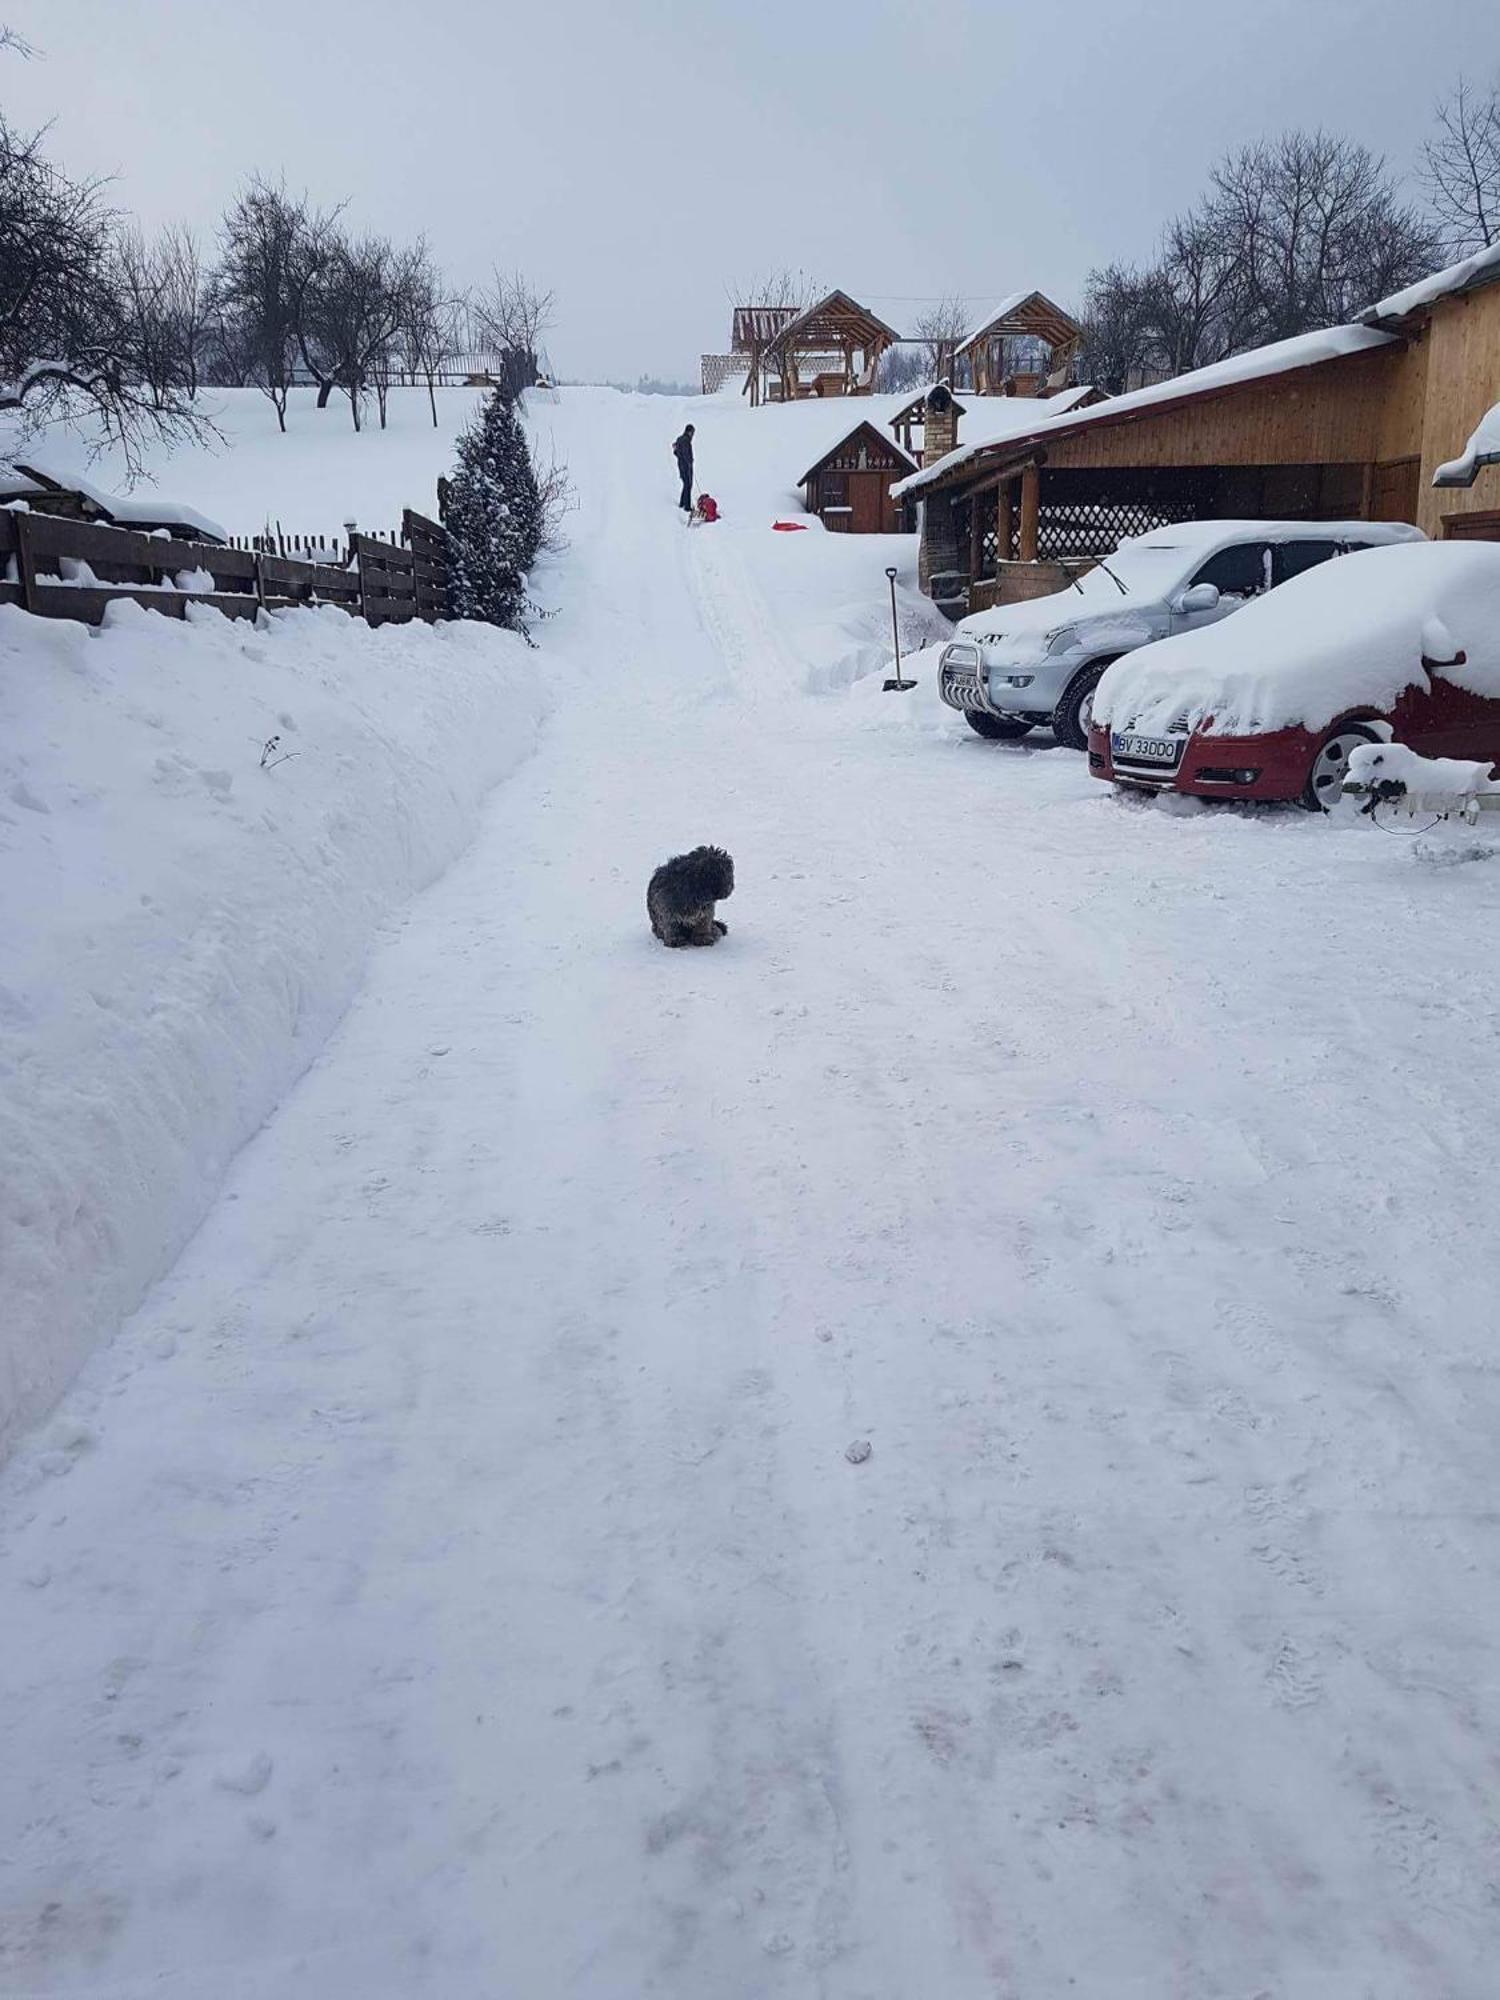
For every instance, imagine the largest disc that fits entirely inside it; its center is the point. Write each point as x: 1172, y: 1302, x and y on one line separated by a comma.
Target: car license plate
x: 1135, y: 749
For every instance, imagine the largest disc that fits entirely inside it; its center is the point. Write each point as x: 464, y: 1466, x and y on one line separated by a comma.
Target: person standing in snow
x: 683, y: 450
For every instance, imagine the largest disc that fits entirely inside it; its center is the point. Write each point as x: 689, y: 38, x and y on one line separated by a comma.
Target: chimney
x: 939, y: 424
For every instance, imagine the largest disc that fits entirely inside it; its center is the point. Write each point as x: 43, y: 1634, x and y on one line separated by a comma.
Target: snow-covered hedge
x: 181, y: 923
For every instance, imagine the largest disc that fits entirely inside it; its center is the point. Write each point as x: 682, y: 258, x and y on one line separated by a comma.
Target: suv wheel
x: 996, y: 728
x: 1071, y: 717
x: 1325, y: 776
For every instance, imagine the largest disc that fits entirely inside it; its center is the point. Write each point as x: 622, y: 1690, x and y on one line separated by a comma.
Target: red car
x: 1399, y: 643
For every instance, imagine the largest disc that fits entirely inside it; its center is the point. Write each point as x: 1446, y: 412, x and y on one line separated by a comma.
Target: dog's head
x: 710, y: 874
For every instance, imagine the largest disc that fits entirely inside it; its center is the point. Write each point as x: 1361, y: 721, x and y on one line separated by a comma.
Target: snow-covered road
x: 453, y: 1583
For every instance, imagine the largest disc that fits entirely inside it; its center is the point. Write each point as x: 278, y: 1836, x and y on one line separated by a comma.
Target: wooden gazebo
x: 835, y: 331
x: 1030, y: 326
x: 751, y: 333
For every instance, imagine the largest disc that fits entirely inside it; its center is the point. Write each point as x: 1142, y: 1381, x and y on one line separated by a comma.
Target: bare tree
x: 161, y: 295
x: 355, y: 311
x: 512, y: 316
x: 1314, y: 230
x: 256, y: 291
x: 69, y: 341
x: 941, y: 329
x: 428, y: 324
x: 1121, y: 336
x: 1292, y: 234
x: 1462, y: 169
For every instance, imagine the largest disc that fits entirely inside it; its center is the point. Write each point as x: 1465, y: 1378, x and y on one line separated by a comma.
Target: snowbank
x: 1380, y: 763
x: 1351, y: 634
x: 184, y: 914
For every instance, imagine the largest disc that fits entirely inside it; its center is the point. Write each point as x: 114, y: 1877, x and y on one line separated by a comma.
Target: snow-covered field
x: 453, y: 1581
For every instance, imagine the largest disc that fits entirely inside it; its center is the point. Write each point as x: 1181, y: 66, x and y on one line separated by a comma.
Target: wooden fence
x: 60, y: 568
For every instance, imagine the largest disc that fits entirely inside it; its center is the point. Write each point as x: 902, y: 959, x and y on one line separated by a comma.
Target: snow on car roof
x: 1206, y: 534
x: 1305, y: 350
x: 1348, y: 635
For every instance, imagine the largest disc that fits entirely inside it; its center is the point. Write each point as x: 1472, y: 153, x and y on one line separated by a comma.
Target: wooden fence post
x: 25, y: 561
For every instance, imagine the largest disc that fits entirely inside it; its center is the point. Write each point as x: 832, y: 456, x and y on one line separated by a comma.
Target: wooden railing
x: 59, y: 568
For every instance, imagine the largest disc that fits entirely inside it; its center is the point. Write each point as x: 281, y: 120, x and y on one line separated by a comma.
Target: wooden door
x: 1394, y: 489
x: 867, y: 498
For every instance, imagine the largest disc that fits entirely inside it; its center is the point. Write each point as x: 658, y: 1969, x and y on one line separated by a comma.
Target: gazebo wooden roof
x: 1026, y: 314
x: 835, y: 322
x: 755, y: 325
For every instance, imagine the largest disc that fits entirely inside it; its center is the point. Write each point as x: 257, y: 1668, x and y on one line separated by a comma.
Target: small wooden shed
x: 849, y: 487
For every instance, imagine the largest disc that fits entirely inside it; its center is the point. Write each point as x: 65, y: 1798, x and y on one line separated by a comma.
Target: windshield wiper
x: 1122, y: 588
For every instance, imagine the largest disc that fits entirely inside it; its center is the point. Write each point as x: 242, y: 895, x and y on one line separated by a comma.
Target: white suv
x: 1021, y: 665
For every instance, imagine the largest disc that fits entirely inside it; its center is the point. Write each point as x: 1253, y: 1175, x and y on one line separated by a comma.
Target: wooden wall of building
x: 1462, y: 382
x: 1334, y: 413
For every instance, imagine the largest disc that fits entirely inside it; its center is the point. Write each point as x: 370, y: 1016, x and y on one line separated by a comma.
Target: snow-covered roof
x: 1305, y: 350
x: 1483, y: 448
x: 1483, y: 268
x: 847, y: 415
x: 1002, y: 311
x: 1348, y: 635
x: 127, y: 511
x: 882, y: 430
x: 155, y: 512
x: 1050, y: 319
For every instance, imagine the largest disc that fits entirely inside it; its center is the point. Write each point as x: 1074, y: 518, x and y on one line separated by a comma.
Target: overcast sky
x: 642, y: 156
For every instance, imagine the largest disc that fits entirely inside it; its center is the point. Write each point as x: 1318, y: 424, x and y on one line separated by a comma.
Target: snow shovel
x: 895, y: 685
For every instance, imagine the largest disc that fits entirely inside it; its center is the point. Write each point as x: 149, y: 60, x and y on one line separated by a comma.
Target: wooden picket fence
x: 383, y: 582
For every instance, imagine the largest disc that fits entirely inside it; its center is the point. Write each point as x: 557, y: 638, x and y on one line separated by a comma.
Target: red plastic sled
x: 788, y: 527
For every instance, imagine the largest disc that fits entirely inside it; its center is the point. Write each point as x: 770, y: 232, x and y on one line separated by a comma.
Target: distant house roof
x: 877, y: 430
x: 1026, y: 313
x: 1483, y: 268
x: 1305, y: 350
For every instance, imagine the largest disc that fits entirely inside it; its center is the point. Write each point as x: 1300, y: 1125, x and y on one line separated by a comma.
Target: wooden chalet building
x: 1349, y: 422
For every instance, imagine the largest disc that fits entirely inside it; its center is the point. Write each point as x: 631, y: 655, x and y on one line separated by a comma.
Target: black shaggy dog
x: 681, y: 895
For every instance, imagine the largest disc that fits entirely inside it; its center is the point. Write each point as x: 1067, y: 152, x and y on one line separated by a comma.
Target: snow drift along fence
x: 60, y: 568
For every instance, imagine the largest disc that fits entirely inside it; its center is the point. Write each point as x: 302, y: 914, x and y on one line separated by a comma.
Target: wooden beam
x: 1031, y: 508
x: 1005, y: 508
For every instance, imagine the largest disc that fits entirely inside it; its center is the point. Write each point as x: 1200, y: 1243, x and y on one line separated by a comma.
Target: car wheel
x: 1074, y: 713
x: 996, y: 728
x: 1325, y: 776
